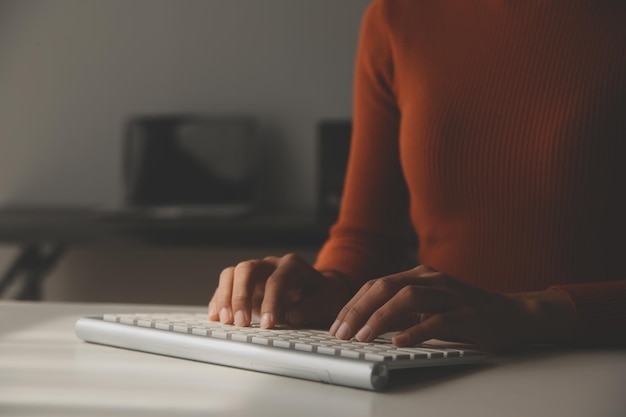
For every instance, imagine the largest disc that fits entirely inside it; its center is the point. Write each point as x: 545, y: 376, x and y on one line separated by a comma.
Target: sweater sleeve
x: 601, y: 308
x: 370, y: 237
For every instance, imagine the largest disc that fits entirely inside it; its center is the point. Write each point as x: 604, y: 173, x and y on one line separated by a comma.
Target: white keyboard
x: 303, y: 353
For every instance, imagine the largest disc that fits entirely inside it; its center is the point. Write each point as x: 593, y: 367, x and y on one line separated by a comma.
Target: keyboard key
x: 327, y: 350
x: 312, y: 341
x: 219, y: 334
x: 304, y: 347
x: 349, y: 353
x: 200, y: 331
x: 180, y: 328
x: 396, y: 356
x: 377, y: 357
x: 413, y: 353
x: 432, y: 353
x: 110, y: 318
x: 286, y: 344
x: 162, y: 325
x: 241, y: 337
x: 259, y: 340
x: 127, y: 320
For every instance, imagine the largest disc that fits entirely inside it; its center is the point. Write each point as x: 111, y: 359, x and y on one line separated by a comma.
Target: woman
x: 494, y: 129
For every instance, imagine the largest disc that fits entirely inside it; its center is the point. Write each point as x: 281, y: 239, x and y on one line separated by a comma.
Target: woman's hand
x: 426, y: 304
x: 278, y: 290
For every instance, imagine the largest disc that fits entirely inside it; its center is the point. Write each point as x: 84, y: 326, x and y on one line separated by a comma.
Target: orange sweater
x: 498, y: 130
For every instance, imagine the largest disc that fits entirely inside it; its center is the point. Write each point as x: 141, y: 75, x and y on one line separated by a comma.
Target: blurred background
x: 72, y: 73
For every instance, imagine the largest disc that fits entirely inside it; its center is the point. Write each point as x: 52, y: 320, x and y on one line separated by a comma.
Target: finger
x: 223, y: 296
x: 344, y: 311
x: 421, y: 275
x: 446, y: 326
x: 370, y: 298
x: 212, y: 312
x: 245, y: 277
x: 386, y: 286
x: 408, y: 301
x: 291, y: 272
x: 411, y: 292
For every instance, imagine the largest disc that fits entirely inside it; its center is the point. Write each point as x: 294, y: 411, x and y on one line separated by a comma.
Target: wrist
x: 551, y: 317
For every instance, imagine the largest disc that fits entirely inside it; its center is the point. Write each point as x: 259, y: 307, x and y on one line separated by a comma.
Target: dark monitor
x: 189, y: 160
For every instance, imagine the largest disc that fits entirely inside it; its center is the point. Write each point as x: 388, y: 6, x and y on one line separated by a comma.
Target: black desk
x: 44, y: 235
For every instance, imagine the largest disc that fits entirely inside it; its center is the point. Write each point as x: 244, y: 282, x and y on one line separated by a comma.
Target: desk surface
x: 46, y: 371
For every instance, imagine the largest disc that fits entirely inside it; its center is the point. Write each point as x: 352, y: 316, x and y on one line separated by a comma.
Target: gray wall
x: 71, y: 72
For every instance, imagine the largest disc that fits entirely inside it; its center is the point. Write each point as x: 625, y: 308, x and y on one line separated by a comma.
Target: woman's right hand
x: 283, y: 289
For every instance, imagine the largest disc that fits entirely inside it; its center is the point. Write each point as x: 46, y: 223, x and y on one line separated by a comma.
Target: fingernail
x: 266, y: 321
x: 334, y: 327
x: 364, y: 334
x: 344, y: 331
x: 224, y: 315
x: 401, y: 339
x: 240, y: 318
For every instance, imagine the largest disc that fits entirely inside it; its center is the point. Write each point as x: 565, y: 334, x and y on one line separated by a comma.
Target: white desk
x: 46, y: 371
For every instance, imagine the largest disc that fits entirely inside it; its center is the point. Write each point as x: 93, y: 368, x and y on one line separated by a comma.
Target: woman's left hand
x: 426, y: 304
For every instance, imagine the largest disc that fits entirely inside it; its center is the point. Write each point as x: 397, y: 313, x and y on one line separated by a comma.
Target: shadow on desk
x: 406, y: 380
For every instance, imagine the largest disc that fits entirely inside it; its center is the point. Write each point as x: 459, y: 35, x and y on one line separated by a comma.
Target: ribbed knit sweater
x: 496, y: 130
